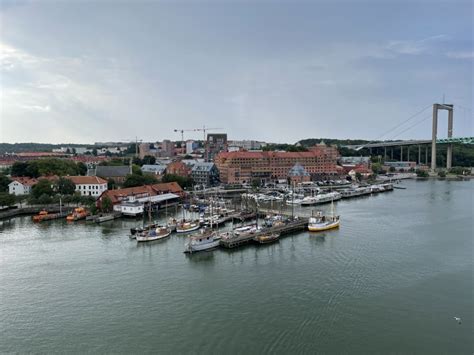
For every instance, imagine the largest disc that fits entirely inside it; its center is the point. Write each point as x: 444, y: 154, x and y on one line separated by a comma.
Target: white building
x: 189, y: 147
x: 21, y: 185
x: 89, y: 185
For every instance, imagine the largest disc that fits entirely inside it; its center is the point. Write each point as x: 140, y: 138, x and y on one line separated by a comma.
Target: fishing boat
x: 154, y: 234
x: 267, y: 238
x: 77, y: 214
x: 187, y: 226
x: 206, y: 239
x: 320, y: 222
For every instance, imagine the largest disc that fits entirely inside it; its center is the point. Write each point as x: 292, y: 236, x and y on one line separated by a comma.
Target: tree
x: 111, y: 184
x: 136, y: 170
x: 376, y: 168
x: 392, y: 169
x: 184, y: 182
x: 19, y: 168
x: 421, y: 173
x: 82, y: 168
x: 4, y: 182
x: 65, y: 186
x: 358, y: 176
x: 44, y: 199
x: 139, y: 180
x: 6, y: 199
x: 94, y: 152
x: 442, y: 174
x: 106, y: 204
x: 148, y: 160
x: 43, y: 187
x: 256, y: 183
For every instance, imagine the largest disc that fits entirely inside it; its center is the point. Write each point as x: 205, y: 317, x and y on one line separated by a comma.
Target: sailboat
x: 320, y: 222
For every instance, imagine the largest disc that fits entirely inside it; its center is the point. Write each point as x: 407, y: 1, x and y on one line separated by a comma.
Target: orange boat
x: 41, y: 216
x: 77, y: 214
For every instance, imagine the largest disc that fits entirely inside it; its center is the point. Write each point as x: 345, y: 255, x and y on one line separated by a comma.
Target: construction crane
x: 182, y: 134
x: 136, y: 141
x: 204, y: 129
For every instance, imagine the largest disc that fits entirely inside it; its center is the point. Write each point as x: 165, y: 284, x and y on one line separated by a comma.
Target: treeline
x: 50, y: 166
x: 285, y: 147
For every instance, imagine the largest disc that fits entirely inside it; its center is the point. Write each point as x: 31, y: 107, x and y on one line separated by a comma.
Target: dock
x: 290, y: 227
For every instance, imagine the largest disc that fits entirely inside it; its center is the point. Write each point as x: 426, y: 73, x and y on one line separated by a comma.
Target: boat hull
x: 150, y: 238
x: 323, y: 227
x: 179, y: 230
x: 197, y: 248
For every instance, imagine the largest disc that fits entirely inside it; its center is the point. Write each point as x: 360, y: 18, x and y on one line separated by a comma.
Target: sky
x: 88, y: 71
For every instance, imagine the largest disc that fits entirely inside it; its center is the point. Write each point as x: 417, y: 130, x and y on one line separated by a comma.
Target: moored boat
x: 206, y: 239
x: 153, y: 234
x: 187, y: 226
x: 41, y: 216
x: 77, y: 214
x: 321, y: 223
x: 267, y: 238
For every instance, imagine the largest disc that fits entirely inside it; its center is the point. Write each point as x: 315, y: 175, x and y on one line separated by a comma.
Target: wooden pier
x: 290, y: 227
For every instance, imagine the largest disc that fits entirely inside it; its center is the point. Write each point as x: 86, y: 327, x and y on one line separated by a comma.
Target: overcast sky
x: 86, y: 71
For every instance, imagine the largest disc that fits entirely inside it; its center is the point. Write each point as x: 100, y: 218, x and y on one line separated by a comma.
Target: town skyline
x: 274, y: 72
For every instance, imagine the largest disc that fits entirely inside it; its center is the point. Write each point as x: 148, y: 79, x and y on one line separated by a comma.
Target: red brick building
x: 178, y: 168
x: 244, y: 166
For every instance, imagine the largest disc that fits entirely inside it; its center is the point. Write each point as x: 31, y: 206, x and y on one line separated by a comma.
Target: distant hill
x: 33, y: 147
x: 309, y: 142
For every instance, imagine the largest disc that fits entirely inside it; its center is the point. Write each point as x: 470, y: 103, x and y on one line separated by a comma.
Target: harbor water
x: 391, y: 279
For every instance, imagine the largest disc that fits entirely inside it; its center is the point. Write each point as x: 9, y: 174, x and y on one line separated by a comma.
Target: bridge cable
x: 402, y: 123
x: 410, y: 127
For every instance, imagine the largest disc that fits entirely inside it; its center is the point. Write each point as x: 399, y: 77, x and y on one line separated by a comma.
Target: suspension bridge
x: 434, y: 141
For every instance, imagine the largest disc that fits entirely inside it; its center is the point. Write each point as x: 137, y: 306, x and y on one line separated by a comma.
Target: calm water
x: 389, y: 280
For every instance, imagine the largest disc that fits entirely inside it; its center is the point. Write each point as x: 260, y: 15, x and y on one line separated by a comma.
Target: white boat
x: 322, y: 198
x: 154, y: 234
x: 187, y: 226
x: 206, y: 239
x: 320, y: 222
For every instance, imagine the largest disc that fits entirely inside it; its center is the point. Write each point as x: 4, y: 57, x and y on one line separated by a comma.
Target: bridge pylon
x: 449, y: 158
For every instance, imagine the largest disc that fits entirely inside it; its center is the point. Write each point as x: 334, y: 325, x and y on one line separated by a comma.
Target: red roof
x: 25, y: 180
x: 314, y: 152
x: 148, y: 190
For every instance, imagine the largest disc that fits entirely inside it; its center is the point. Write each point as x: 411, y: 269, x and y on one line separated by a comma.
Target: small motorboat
x: 267, y: 238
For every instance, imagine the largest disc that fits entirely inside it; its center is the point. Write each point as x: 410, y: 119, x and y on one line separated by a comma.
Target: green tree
x: 6, y: 199
x: 139, y: 180
x: 358, y: 176
x: 65, y: 186
x: 376, y: 168
x: 442, y: 174
x: 421, y: 173
x: 4, y: 182
x: 392, y: 169
x: 136, y: 170
x: 149, y: 160
x: 184, y: 182
x: 19, y: 168
x: 256, y: 183
x: 106, y: 204
x: 111, y: 184
x: 43, y: 187
x: 82, y: 168
x: 44, y: 199
x: 94, y: 152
